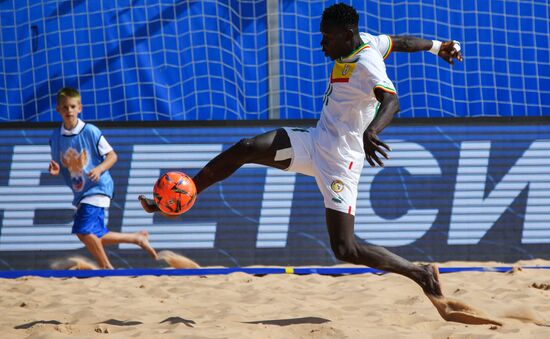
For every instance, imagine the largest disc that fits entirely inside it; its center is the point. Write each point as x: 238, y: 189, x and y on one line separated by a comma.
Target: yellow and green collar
x: 356, y: 51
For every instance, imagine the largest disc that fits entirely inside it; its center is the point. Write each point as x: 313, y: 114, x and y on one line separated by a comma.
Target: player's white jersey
x: 332, y: 152
x: 349, y: 104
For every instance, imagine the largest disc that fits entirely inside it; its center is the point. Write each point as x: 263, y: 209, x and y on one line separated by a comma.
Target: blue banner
x: 468, y: 191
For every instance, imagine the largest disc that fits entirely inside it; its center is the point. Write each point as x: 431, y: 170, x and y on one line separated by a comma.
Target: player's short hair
x: 340, y: 15
x: 67, y: 92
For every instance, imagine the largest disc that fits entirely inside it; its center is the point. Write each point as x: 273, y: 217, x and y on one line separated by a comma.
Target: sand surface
x: 273, y: 306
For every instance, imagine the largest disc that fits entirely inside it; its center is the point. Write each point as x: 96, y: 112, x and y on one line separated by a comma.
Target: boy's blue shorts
x: 90, y: 219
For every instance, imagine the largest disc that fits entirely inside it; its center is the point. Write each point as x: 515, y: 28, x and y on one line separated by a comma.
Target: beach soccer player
x: 360, y: 101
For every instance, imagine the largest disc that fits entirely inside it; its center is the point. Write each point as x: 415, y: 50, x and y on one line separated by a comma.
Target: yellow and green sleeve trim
x: 385, y: 88
x: 389, y: 48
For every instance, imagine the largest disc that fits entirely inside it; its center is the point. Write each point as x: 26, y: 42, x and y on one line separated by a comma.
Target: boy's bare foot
x: 148, y: 205
x: 143, y: 242
x: 176, y: 260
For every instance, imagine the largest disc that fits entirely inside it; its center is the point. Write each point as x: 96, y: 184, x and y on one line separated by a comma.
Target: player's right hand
x: 373, y: 145
x: 53, y: 168
x: 450, y: 50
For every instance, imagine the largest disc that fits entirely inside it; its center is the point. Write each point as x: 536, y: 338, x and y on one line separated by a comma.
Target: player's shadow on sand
x: 32, y: 323
x: 116, y: 322
x: 178, y: 320
x: 291, y: 321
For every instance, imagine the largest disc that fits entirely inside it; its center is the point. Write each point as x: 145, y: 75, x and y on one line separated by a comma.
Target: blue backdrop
x: 209, y: 60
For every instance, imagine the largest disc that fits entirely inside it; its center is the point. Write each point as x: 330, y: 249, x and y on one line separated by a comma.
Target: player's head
x: 69, y: 105
x: 339, y: 25
x: 67, y: 92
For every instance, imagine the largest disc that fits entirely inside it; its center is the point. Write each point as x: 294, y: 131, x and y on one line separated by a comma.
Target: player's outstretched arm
x: 447, y: 50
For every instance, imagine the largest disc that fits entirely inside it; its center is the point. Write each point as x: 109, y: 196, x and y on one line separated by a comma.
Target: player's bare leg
x: 347, y: 248
x: 140, y: 238
x: 95, y: 247
x: 260, y: 149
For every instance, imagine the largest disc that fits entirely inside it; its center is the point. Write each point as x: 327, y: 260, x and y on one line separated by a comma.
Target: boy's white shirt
x: 104, y: 147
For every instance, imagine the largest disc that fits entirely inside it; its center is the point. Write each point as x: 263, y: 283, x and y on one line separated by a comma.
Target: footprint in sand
x: 541, y: 286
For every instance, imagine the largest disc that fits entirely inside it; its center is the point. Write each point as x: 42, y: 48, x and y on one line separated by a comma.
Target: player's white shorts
x: 337, y: 179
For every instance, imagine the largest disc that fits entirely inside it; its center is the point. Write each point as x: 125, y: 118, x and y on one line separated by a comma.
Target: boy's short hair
x: 67, y: 92
x: 340, y: 15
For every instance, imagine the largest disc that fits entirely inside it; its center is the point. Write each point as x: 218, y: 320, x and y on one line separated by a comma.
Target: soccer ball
x: 174, y: 193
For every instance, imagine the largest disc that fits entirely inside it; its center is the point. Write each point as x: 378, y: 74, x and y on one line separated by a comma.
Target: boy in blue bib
x: 83, y: 157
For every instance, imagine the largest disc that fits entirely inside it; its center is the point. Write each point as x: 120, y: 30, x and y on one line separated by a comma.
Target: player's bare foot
x: 452, y: 309
x: 430, y: 280
x: 143, y: 242
x: 148, y: 205
x: 455, y: 310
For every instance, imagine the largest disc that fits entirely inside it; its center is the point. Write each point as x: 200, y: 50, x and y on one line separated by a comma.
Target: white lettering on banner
x: 473, y: 211
x: 416, y: 222
x: 276, y: 208
x: 147, y: 160
x: 473, y: 214
x: 23, y: 196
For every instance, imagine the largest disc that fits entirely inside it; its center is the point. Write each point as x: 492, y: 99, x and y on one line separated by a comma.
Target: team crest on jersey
x: 337, y: 186
x: 342, y: 71
x: 75, y: 162
x: 345, y: 70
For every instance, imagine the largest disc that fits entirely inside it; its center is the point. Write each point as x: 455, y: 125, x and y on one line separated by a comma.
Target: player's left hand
x: 94, y: 174
x: 450, y: 50
x: 54, y: 168
x: 372, y: 145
